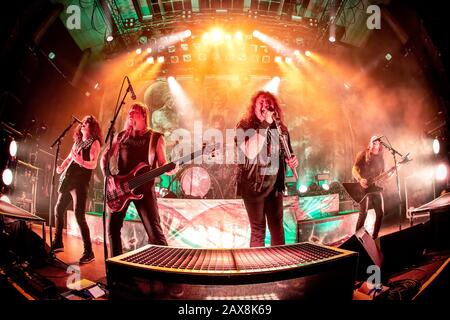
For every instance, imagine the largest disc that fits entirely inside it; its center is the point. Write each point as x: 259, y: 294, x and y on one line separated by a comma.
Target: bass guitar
x: 121, y: 189
x: 358, y: 193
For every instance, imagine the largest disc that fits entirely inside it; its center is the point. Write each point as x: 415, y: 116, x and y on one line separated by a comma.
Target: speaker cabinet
x: 405, y: 247
x: 369, y: 253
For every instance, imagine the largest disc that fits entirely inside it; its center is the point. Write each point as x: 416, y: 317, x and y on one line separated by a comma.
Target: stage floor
x: 67, y: 269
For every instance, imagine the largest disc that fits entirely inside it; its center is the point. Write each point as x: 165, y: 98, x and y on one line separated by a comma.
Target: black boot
x: 57, y: 245
x: 88, y: 256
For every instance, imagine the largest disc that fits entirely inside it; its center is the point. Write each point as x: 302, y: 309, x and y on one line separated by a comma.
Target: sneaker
x: 87, y: 257
x: 57, y: 246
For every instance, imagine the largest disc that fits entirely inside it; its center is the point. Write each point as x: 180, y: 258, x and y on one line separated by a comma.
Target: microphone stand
x: 394, y: 155
x: 107, y: 173
x: 57, y: 142
x: 285, y: 145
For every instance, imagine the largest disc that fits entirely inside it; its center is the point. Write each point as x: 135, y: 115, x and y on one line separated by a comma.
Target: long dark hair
x: 249, y: 116
x: 94, y: 128
x: 369, y: 149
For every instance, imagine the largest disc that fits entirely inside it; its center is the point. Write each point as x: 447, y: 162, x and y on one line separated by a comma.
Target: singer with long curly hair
x: 76, y: 171
x: 262, y: 173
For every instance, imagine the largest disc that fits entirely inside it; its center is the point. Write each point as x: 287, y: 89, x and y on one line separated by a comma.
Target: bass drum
x: 195, y: 181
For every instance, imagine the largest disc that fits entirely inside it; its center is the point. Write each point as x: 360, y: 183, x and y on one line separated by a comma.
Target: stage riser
x: 324, y: 277
x: 210, y: 223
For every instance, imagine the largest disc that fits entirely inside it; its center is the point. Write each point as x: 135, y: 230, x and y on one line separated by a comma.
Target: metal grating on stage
x: 298, y: 271
x: 237, y: 260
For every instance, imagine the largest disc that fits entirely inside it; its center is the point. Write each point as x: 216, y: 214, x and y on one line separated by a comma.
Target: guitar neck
x: 152, y: 174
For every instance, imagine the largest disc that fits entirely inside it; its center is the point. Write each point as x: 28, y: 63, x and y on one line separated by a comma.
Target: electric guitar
x: 358, y: 193
x: 121, y: 189
x: 64, y: 177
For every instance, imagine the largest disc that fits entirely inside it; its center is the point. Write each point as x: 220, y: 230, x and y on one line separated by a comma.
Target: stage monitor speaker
x: 440, y: 226
x: 369, y: 253
x: 405, y: 247
x: 439, y: 210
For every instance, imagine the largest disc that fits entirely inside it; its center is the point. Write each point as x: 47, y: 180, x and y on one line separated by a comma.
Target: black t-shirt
x: 133, y: 151
x: 372, y: 168
x: 77, y: 175
x: 253, y: 184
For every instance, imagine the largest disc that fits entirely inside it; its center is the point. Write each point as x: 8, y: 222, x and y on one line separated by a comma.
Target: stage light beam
x: 273, y: 85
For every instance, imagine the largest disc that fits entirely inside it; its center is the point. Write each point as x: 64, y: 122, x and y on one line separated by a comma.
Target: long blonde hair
x: 126, y: 132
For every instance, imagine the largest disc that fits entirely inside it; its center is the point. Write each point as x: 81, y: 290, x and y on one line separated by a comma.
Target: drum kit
x: 212, y: 179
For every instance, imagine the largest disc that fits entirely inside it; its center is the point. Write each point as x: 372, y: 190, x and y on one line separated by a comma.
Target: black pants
x: 79, y: 196
x: 376, y: 200
x: 271, y: 209
x: 147, y: 209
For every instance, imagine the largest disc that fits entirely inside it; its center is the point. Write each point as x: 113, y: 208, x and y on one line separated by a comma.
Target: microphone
x: 377, y: 138
x: 130, y: 88
x: 77, y: 120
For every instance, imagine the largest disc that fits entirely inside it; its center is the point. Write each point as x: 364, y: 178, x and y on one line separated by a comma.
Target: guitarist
x: 76, y: 172
x: 136, y: 143
x: 368, y: 164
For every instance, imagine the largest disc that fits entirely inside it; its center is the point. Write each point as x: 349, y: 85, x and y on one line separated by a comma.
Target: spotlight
x: 388, y: 56
x: 303, y: 188
x: 325, y: 187
x: 13, y: 148
x: 332, y: 39
x: 347, y: 86
x: 5, y: 198
x: 441, y: 172
x: 51, y: 55
x: 297, y: 52
x: 149, y: 50
x: 7, y: 176
x: 109, y: 38
x: 216, y: 35
x: 256, y: 33
x: 238, y: 36
x: 436, y: 146
x: 288, y: 60
x: 138, y: 51
x: 187, y: 33
x: 150, y: 60
x: 170, y: 79
x: 308, y: 53
x: 160, y: 59
x: 277, y: 59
